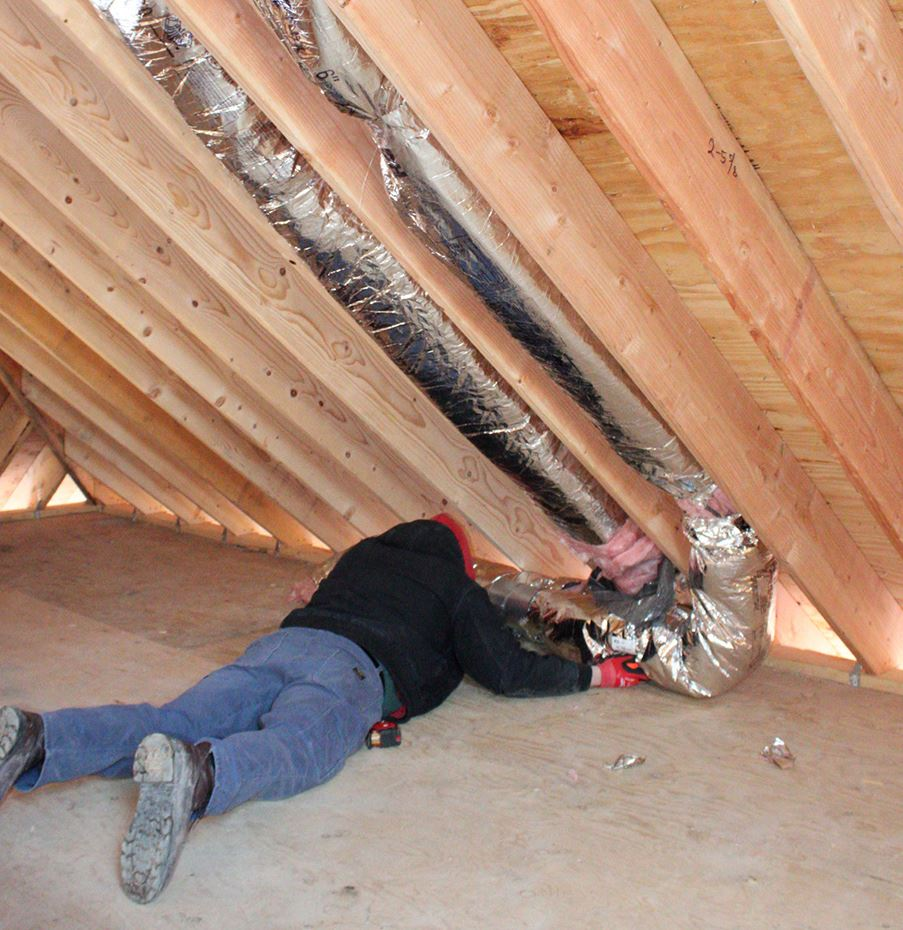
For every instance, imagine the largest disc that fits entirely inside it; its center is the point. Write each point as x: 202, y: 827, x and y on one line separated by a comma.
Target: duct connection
x: 697, y: 634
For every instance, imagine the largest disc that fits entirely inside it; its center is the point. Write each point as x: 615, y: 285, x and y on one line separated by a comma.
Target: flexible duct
x: 361, y: 273
x: 460, y: 227
x: 698, y: 634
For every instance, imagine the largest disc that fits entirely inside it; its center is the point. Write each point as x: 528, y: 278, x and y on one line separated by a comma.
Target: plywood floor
x: 494, y: 813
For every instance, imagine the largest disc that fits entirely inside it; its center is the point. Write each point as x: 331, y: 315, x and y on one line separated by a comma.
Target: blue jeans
x: 280, y: 719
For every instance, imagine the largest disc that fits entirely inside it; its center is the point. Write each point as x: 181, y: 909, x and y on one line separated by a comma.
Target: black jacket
x: 406, y: 599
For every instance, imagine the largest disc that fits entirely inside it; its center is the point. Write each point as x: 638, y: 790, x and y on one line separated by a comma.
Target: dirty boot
x: 175, y: 780
x: 21, y: 745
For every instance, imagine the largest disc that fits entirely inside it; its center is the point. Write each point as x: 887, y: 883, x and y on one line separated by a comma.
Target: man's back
x: 397, y: 596
x: 407, y: 599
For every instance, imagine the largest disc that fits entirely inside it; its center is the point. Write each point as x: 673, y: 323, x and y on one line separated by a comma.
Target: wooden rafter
x: 169, y: 173
x: 661, y: 113
x: 183, y: 317
x: 491, y: 126
x: 84, y: 380
x: 85, y: 319
x: 341, y: 151
x: 852, y: 53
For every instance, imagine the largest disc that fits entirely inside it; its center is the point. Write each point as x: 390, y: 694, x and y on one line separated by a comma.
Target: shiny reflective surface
x: 698, y: 634
x: 461, y: 228
x: 362, y: 275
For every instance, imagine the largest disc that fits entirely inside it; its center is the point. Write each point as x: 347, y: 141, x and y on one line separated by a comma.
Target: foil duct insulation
x: 698, y: 634
x: 461, y: 228
x: 361, y: 273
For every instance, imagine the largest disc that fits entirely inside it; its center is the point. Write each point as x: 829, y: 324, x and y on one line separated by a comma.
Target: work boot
x: 175, y: 782
x: 21, y: 745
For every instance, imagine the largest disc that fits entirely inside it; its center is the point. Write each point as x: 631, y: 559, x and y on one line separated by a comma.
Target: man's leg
x: 331, y: 696
x: 319, y: 719
x: 103, y: 740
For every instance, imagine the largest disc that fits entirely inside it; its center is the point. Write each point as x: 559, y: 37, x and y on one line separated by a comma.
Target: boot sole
x: 10, y: 727
x: 162, y: 817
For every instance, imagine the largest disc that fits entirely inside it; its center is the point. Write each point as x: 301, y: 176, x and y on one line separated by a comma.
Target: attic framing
x: 197, y: 368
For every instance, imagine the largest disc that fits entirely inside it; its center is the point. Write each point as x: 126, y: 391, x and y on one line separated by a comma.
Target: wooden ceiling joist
x: 153, y: 157
x: 341, y: 150
x: 458, y: 83
x: 852, y: 53
x: 49, y: 352
x: 638, y: 78
x: 299, y: 513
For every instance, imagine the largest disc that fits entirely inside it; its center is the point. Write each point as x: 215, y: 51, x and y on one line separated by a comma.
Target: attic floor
x: 493, y: 814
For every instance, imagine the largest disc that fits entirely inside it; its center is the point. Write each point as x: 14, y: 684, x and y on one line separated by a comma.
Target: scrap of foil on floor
x: 778, y: 753
x: 625, y: 761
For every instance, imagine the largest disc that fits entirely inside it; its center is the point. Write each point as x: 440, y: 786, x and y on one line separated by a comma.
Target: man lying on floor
x: 390, y: 631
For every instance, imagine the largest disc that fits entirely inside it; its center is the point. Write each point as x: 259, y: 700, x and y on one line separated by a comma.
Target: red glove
x: 620, y: 672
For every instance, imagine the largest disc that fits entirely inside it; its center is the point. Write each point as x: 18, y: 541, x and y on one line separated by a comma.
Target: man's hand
x: 302, y: 591
x: 618, y: 672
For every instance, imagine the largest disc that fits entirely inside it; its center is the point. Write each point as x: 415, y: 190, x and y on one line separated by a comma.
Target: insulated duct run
x: 361, y: 273
x: 461, y: 228
x: 698, y: 634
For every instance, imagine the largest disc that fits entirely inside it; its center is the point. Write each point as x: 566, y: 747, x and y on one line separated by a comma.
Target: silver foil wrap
x: 698, y: 634
x: 719, y: 628
x: 362, y: 275
x: 460, y: 227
